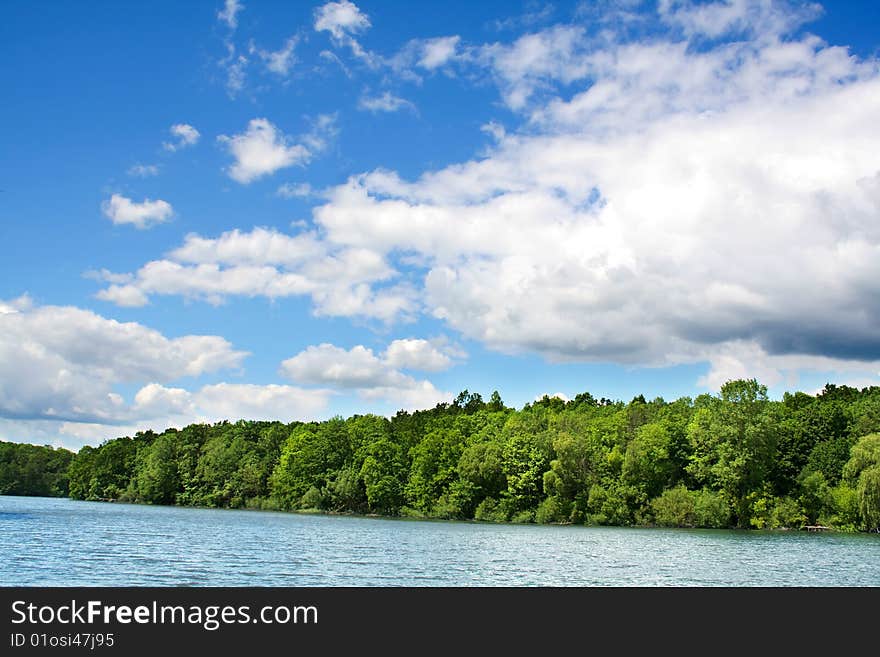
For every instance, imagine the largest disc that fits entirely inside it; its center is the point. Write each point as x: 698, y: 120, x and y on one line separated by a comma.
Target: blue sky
x: 290, y: 210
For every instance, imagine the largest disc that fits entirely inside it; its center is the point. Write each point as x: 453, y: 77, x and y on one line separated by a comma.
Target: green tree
x: 383, y: 473
x: 734, y: 444
x: 311, y: 457
x: 862, y: 473
x: 156, y: 479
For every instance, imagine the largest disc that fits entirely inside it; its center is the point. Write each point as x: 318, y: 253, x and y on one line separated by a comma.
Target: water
x: 59, y: 542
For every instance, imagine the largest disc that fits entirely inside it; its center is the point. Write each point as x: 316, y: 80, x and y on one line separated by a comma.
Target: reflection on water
x: 58, y: 542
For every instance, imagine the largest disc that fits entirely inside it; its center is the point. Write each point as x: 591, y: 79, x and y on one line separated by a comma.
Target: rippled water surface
x: 59, y: 542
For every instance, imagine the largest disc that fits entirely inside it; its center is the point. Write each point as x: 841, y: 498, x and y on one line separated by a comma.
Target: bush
x: 674, y: 507
x: 523, y: 517
x: 456, y: 502
x: 313, y: 499
x: 489, y: 510
x: 680, y: 507
x: 869, y: 497
x: 552, y: 509
x: 844, y: 512
x: 711, y: 510
x: 787, y: 513
x: 815, y: 497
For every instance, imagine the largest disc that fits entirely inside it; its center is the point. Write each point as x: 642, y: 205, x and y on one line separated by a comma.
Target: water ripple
x: 56, y: 542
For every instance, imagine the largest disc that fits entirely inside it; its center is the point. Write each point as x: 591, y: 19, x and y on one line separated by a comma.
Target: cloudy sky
x: 286, y: 210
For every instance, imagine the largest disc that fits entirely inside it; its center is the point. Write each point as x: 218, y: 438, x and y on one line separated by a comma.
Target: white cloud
x: 437, y: 52
x: 63, y: 363
x: 157, y: 401
x: 327, y: 364
x: 259, y: 247
x: 229, y: 401
x: 535, y: 17
x: 343, y: 20
x: 374, y: 377
x: 324, y: 129
x: 684, y: 200
x: 158, y: 407
x: 748, y: 359
x: 415, y: 396
x: 359, y: 367
x: 108, y: 276
x: 672, y: 199
x: 341, y: 282
x: 280, y: 61
x: 229, y: 13
x: 124, y: 295
x: 340, y: 19
x: 536, y: 60
x: 416, y: 354
x: 260, y: 151
x: 236, y: 71
x: 185, y: 135
x: 122, y: 210
x: 386, y: 102
x: 431, y: 55
x: 17, y: 305
x: 723, y: 17
x: 294, y: 190
x: 143, y: 170
x: 60, y: 367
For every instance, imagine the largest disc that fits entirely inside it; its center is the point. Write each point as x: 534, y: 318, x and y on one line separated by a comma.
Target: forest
x: 736, y: 459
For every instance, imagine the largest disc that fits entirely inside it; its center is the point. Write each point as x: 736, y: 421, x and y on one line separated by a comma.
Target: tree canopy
x: 736, y: 459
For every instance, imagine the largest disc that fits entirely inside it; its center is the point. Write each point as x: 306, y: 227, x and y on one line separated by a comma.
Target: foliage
x: 33, y: 470
x: 736, y: 459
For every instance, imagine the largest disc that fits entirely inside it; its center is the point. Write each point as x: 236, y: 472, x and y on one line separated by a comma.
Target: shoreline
x: 468, y: 521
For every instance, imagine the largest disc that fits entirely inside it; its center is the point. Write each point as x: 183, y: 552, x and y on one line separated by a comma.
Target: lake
x: 61, y: 542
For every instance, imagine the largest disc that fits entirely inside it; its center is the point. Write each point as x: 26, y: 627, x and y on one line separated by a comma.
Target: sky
x: 245, y: 209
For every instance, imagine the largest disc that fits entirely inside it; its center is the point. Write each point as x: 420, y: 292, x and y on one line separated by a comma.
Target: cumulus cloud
x: 327, y: 364
x: 157, y: 407
x: 17, y: 305
x: 261, y: 151
x: 385, y: 102
x: 373, y: 376
x: 414, y: 396
x: 184, y: 135
x: 743, y: 359
x: 61, y: 368
x: 229, y: 13
x: 340, y: 19
x: 674, y: 198
x: 229, y: 401
x: 417, y: 354
x: 685, y: 200
x: 267, y: 263
x: 126, y: 296
x: 122, y: 210
x: 63, y: 363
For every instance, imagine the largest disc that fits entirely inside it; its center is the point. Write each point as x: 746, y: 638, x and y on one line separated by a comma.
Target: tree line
x: 736, y: 459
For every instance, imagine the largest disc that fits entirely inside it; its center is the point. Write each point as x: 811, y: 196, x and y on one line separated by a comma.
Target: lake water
x: 60, y: 542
